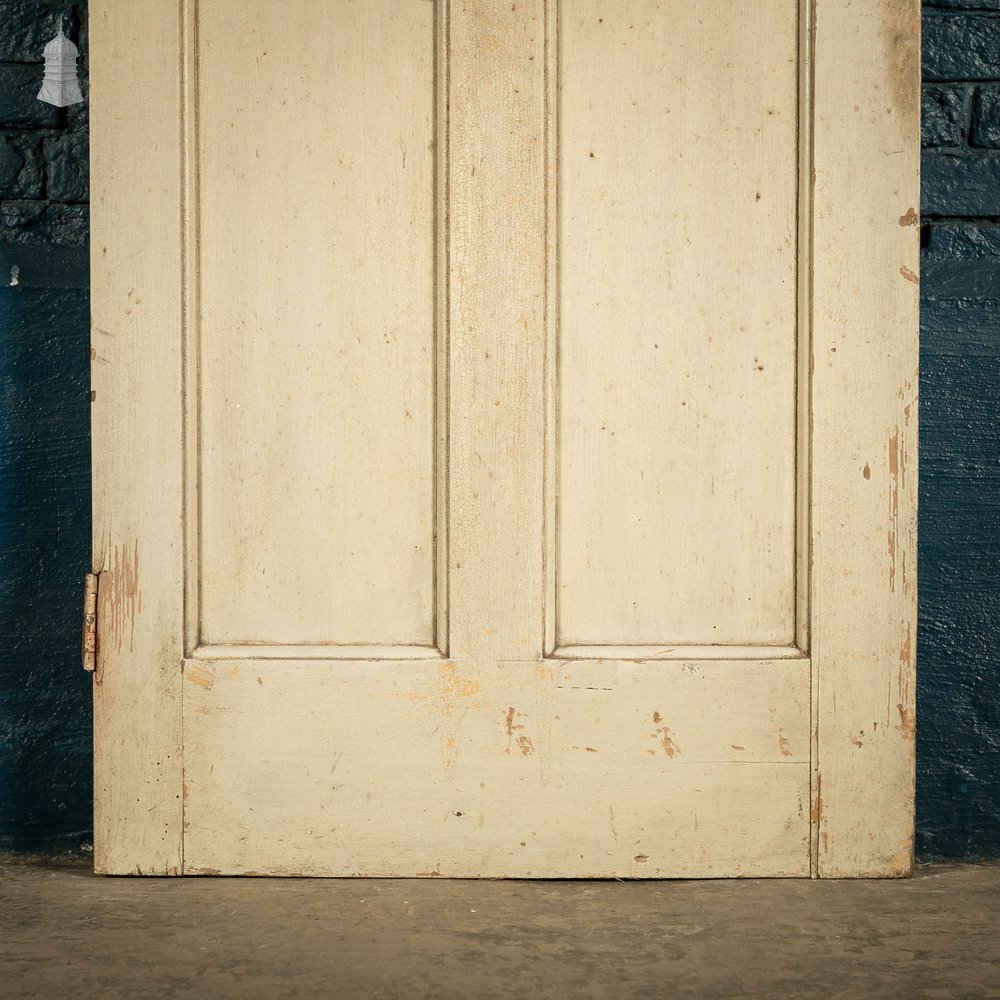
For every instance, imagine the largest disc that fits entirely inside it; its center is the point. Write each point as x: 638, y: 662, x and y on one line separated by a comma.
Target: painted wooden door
x: 504, y: 436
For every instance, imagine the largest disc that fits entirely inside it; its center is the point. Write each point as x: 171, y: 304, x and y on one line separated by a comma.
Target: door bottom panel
x: 544, y: 769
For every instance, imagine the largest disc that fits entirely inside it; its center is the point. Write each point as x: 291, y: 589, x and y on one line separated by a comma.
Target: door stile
x: 137, y: 434
x: 864, y: 404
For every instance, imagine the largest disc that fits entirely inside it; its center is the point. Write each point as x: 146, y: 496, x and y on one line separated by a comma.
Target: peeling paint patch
x: 120, y: 598
x: 907, y: 714
x: 454, y: 688
x: 909, y: 275
x: 515, y: 734
x: 900, y: 37
x: 816, y: 809
x: 456, y: 693
x: 199, y: 676
x: 893, y: 506
x: 664, y: 738
x: 910, y: 218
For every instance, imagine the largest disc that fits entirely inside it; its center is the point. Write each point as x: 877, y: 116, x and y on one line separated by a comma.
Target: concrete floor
x: 67, y: 933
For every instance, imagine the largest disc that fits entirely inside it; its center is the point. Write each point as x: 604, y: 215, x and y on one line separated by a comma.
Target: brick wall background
x: 45, y: 787
x: 45, y: 710
x: 958, y: 660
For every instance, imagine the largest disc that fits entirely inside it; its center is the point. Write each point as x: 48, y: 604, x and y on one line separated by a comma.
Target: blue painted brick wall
x: 45, y: 702
x: 45, y: 787
x: 958, y: 659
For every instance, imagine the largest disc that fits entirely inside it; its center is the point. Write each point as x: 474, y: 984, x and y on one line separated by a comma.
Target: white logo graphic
x: 60, y: 86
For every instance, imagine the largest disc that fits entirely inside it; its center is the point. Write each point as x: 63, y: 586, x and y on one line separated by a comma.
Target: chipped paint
x: 120, y: 599
x: 905, y: 707
x: 816, y: 808
x: 455, y: 689
x: 900, y: 38
x: 546, y: 673
x: 893, y: 506
x: 664, y: 737
x: 199, y: 676
x: 910, y: 218
x: 456, y: 694
x: 516, y: 735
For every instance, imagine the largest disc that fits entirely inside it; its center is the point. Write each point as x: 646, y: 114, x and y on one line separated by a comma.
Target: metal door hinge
x: 90, y: 621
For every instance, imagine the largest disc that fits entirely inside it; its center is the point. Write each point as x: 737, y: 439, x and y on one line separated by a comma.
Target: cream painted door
x: 504, y: 436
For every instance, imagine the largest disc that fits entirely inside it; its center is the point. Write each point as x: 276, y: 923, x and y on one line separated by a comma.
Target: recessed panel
x: 676, y: 331
x: 316, y: 332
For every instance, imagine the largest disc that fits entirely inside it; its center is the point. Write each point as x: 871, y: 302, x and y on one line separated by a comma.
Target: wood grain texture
x: 497, y: 298
x: 864, y: 451
x: 540, y: 769
x: 677, y: 345
x: 137, y: 434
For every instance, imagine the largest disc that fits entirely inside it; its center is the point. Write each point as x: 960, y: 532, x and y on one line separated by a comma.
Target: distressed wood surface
x: 316, y: 324
x: 496, y: 210
x: 864, y: 446
x: 137, y: 435
x: 677, y: 323
x: 534, y: 769
x: 728, y: 585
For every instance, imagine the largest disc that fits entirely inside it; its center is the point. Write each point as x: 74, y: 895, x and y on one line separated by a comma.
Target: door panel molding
x: 686, y: 129
x: 679, y: 652
x: 351, y: 598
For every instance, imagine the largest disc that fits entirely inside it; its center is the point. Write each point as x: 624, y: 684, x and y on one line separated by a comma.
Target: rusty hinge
x: 90, y: 621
